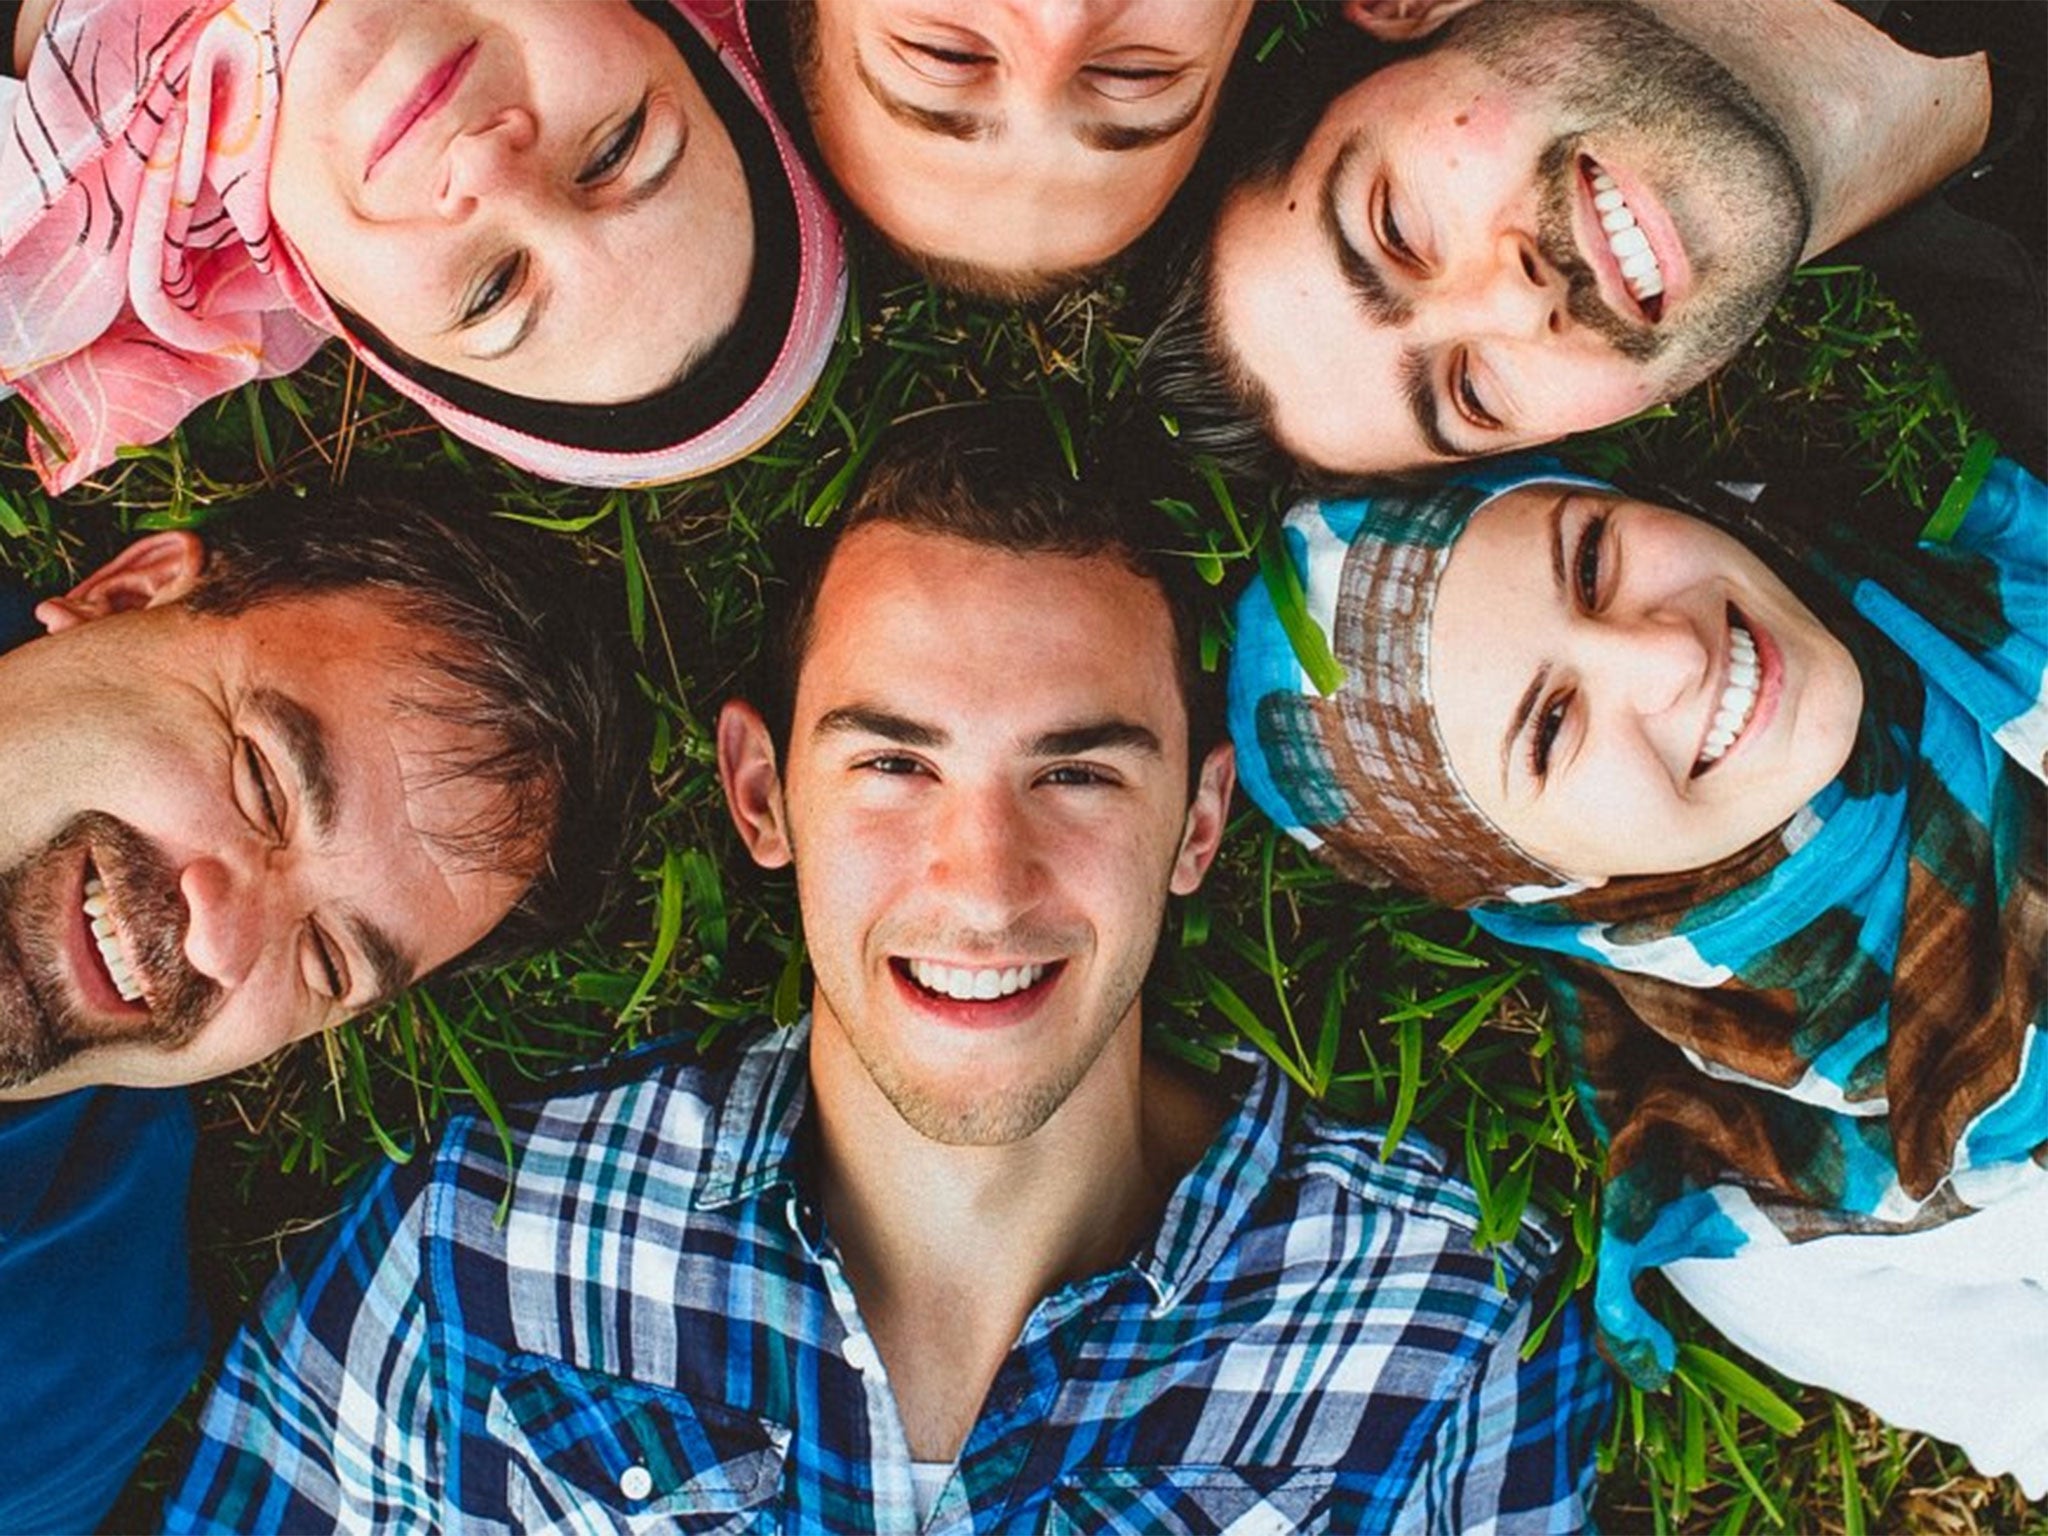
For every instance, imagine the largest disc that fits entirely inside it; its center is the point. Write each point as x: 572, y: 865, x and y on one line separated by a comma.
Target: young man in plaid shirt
x: 955, y: 1254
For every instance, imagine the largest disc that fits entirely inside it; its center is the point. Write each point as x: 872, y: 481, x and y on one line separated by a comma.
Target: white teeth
x: 109, y: 946
x: 963, y: 985
x: 1738, y: 699
x: 1631, y: 247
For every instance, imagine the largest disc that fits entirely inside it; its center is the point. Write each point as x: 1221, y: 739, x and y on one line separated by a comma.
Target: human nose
x: 1053, y: 41
x: 485, y: 160
x: 985, y: 860
x: 228, y: 917
x: 1506, y: 287
x: 1652, y: 659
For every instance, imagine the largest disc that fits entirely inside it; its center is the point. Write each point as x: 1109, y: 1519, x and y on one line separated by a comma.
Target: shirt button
x: 859, y: 1350
x: 636, y: 1482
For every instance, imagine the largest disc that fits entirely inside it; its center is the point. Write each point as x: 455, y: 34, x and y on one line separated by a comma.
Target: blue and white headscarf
x: 1838, y: 1029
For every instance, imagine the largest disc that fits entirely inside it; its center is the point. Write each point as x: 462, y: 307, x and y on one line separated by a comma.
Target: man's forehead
x: 963, y: 602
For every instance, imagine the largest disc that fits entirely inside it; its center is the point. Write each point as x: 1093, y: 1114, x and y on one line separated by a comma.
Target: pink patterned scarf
x: 138, y: 274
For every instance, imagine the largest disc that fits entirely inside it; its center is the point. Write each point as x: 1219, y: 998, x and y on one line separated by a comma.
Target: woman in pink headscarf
x: 572, y: 230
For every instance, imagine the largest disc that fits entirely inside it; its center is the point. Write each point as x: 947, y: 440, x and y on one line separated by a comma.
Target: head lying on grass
x: 570, y: 229
x: 1773, y: 816
x: 254, y: 786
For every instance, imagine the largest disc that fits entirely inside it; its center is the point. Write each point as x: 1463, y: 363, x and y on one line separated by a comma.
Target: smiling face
x: 1625, y: 690
x: 986, y: 810
x: 1549, y: 224
x: 1014, y: 135
x: 217, y: 839
x: 534, y: 194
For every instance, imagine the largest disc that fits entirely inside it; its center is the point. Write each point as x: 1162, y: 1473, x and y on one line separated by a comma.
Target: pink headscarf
x: 140, y: 273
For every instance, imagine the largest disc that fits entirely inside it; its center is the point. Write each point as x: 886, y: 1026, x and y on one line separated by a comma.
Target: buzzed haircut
x: 518, y: 649
x: 995, y: 476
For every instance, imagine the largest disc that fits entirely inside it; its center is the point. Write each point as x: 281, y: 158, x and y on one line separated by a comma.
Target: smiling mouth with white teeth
x: 1738, y: 696
x: 108, y: 942
x: 961, y: 984
x: 1627, y: 243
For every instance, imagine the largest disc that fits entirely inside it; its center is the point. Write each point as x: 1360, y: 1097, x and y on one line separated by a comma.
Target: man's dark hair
x: 519, y: 656
x: 994, y: 476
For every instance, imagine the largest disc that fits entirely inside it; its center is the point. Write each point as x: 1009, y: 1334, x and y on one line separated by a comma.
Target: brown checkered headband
x: 1329, y: 694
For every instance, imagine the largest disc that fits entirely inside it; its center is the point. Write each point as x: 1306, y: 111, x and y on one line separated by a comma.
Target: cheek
x: 392, y: 281
x: 1475, y: 148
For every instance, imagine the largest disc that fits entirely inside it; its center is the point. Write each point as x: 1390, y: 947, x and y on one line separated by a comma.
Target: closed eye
x: 1465, y: 392
x: 1132, y: 82
x: 941, y: 64
x: 265, y: 794
x: 615, y: 151
x: 1388, y: 229
x: 330, y: 973
x: 493, y: 289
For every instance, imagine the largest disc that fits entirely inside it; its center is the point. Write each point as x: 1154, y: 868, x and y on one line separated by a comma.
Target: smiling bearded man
x: 249, y: 788
x: 1557, y: 216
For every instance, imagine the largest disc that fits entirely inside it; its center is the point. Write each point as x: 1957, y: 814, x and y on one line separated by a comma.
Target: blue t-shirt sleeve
x: 17, y: 613
x: 99, y: 1326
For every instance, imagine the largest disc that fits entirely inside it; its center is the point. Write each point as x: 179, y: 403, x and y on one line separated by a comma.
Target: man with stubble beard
x: 250, y: 786
x: 1555, y: 216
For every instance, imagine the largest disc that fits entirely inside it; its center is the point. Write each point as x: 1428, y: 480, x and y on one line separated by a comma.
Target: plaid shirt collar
x: 756, y: 1145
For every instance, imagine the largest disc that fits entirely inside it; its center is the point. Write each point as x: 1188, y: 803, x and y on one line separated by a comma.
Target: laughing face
x: 531, y: 193
x: 1626, y: 690
x: 215, y: 838
x: 1560, y: 217
x: 986, y: 809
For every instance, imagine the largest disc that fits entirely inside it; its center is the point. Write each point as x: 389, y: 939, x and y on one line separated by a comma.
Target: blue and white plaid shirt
x: 660, y: 1335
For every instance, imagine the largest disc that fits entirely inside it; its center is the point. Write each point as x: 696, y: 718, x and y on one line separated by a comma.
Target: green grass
x: 1384, y: 1008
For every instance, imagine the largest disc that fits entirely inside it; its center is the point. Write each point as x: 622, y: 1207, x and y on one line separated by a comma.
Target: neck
x: 1873, y: 125
x: 949, y: 1249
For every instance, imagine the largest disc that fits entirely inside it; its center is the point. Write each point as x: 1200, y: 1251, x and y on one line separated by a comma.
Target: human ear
x: 1208, y: 815
x: 1402, y: 21
x: 753, y: 786
x: 152, y: 571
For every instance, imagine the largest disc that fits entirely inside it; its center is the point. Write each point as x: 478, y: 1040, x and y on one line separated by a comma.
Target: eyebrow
x: 1360, y: 274
x: 644, y: 192
x: 1519, y: 721
x: 1556, y: 525
x: 868, y: 720
x: 389, y: 961
x: 304, y: 741
x: 971, y: 127
x: 1067, y: 741
x: 1096, y: 736
x: 1121, y: 138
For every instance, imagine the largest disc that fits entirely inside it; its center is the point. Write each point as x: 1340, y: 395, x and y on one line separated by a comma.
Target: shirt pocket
x: 592, y: 1452
x: 1189, y: 1501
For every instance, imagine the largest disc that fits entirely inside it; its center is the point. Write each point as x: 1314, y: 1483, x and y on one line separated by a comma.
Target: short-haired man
x: 1556, y: 216
x: 250, y: 784
x: 956, y: 1254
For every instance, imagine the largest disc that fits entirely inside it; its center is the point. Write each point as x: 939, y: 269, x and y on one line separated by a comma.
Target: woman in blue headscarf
x: 1770, y: 808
